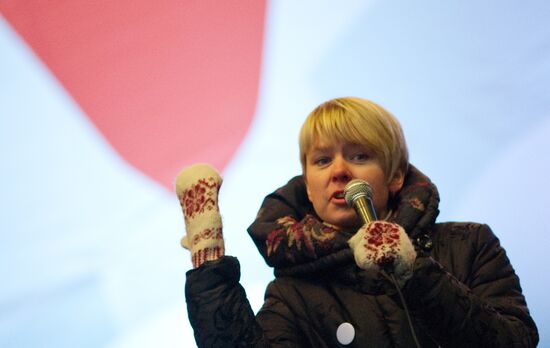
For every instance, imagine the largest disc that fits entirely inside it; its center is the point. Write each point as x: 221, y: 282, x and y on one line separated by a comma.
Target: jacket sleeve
x: 220, y: 313
x: 485, y: 308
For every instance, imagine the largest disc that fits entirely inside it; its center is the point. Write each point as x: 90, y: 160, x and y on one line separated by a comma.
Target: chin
x: 347, y: 222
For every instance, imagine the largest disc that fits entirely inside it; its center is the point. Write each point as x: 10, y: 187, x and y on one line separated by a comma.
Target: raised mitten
x: 384, y: 245
x: 197, y: 188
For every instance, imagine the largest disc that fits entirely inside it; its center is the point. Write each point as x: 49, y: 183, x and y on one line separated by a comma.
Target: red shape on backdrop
x: 167, y: 83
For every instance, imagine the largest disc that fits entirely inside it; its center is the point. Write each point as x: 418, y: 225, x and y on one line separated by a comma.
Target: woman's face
x: 330, y: 166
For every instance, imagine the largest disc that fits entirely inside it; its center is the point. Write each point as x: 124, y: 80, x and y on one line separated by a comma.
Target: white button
x: 345, y: 333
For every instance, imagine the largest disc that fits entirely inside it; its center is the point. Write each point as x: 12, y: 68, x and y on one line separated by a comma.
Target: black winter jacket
x: 463, y: 293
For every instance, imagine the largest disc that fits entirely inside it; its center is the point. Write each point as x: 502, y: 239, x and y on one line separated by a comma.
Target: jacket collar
x: 415, y: 208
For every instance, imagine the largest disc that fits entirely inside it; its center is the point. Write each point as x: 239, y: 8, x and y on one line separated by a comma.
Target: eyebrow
x: 319, y: 149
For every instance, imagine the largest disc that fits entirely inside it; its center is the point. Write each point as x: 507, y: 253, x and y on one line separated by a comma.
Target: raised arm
x: 217, y: 306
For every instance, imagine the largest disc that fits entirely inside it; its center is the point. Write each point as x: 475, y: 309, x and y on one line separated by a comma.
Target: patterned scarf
x: 291, y: 237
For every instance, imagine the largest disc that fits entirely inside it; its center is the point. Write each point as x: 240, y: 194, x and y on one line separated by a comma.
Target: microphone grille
x: 355, y: 189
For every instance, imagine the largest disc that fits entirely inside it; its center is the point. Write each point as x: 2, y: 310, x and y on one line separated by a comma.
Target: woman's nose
x: 340, y: 170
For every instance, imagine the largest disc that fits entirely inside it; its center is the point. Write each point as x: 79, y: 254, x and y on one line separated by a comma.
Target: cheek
x: 315, y: 194
x: 309, y: 188
x: 313, y: 185
x: 315, y: 198
x: 381, y: 195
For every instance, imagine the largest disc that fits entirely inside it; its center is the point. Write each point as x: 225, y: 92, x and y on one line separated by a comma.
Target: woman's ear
x: 397, y: 182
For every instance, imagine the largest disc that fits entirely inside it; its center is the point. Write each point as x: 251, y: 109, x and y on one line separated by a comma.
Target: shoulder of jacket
x: 471, y: 231
x: 461, y: 230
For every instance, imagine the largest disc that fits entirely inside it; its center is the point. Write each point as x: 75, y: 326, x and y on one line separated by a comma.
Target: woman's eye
x: 360, y: 157
x: 321, y: 161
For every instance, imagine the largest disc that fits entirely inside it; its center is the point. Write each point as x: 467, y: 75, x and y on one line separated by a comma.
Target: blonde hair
x: 358, y: 121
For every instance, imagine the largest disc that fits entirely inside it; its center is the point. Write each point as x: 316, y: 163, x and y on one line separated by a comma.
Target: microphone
x: 358, y: 194
x: 387, y: 248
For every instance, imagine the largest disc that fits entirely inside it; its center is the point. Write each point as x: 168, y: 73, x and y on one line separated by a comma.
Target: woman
x: 402, y: 282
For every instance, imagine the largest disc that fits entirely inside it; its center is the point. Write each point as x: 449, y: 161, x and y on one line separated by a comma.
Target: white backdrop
x: 89, y: 245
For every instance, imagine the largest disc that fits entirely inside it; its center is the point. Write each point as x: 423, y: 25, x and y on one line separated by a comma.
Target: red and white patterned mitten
x: 384, y: 245
x: 197, y: 188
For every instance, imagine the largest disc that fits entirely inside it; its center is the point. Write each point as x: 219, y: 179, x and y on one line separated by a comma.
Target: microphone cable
x: 358, y: 194
x: 391, y: 277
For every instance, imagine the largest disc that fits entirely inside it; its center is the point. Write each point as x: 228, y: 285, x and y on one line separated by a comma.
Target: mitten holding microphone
x: 197, y: 188
x: 382, y: 245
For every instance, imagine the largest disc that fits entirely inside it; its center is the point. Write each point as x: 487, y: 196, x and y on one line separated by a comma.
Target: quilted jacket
x: 463, y: 293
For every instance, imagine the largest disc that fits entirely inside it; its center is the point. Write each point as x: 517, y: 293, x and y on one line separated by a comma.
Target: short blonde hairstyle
x: 358, y: 121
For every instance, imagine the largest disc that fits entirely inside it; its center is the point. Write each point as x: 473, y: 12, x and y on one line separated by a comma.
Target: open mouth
x: 339, y: 194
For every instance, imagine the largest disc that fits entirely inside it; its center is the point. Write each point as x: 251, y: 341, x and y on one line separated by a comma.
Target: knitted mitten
x: 197, y: 189
x: 384, y: 245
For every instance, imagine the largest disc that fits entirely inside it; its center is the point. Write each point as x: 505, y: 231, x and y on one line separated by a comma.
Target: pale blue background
x: 89, y: 252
